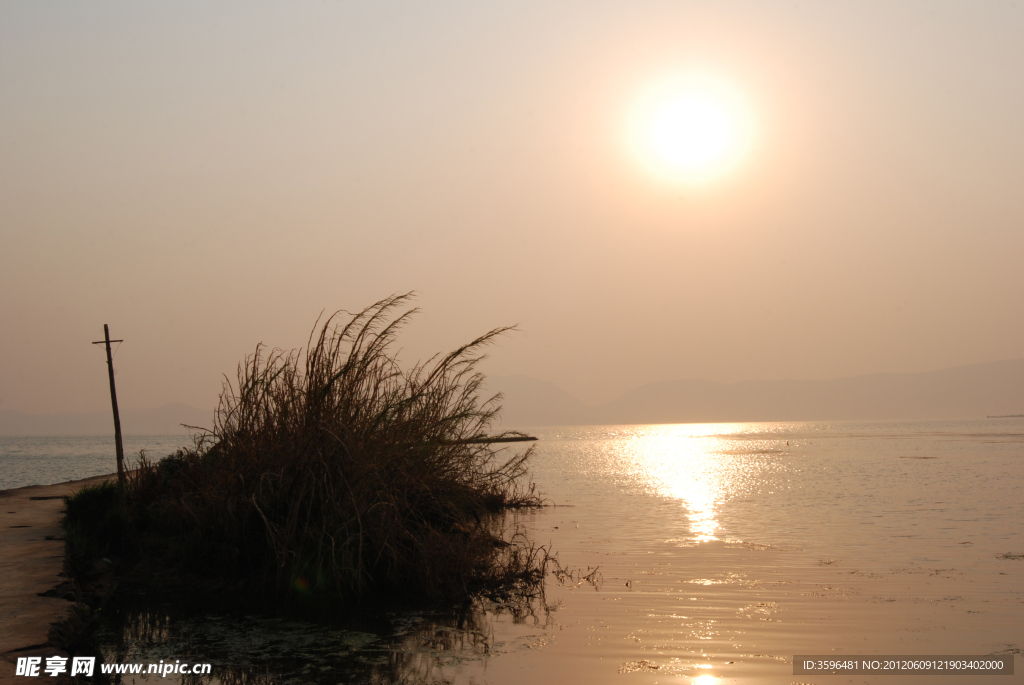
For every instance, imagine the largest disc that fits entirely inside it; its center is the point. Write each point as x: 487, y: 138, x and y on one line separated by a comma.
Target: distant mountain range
x: 165, y: 420
x: 976, y: 391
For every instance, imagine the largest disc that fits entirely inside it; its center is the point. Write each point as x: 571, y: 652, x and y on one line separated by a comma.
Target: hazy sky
x: 204, y: 176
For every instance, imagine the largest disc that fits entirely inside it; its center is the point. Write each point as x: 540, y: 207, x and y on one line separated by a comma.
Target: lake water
x: 722, y: 550
x: 45, y: 461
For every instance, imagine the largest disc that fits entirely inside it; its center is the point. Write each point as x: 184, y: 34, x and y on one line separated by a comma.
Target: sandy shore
x: 37, y: 602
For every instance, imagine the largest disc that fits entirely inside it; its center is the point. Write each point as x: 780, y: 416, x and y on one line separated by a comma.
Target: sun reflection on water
x: 701, y: 465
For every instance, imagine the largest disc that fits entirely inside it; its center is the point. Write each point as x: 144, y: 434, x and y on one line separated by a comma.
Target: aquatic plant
x: 332, y: 472
x: 95, y: 525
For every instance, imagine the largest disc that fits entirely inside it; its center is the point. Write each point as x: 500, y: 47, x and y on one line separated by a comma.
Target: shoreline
x: 41, y: 612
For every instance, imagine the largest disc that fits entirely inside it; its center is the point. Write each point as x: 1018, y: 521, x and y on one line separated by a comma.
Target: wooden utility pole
x: 113, y: 402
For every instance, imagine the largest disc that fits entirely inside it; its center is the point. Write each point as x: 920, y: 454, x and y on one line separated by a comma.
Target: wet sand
x: 32, y: 567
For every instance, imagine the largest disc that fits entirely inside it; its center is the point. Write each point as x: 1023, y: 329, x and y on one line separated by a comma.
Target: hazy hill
x: 962, y: 392
x: 533, y: 402
x: 165, y: 420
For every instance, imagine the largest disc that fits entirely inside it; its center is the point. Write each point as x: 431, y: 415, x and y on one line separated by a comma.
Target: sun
x: 690, y: 129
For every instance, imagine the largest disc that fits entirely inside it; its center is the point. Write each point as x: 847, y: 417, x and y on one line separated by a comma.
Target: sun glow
x: 690, y: 129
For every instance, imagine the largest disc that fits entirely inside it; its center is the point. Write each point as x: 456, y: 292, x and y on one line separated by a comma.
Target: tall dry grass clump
x: 332, y: 472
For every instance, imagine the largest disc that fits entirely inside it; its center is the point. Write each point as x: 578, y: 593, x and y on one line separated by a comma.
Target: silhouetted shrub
x: 332, y: 472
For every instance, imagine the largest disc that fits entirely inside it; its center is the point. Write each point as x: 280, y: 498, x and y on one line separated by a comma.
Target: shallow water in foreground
x: 723, y: 550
